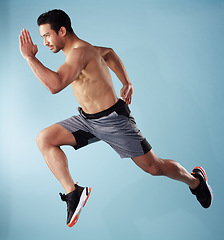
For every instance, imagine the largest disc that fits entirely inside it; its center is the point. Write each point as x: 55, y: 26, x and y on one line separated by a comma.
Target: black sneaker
x: 75, y: 200
x: 203, y: 192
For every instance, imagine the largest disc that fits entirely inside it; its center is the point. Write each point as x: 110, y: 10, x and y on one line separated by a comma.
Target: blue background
x: 173, y: 51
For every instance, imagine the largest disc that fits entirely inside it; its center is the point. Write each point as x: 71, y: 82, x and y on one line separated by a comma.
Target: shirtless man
x: 102, y: 116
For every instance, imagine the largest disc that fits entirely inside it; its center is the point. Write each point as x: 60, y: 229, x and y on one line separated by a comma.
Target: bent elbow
x: 110, y: 51
x: 108, y: 54
x: 54, y: 90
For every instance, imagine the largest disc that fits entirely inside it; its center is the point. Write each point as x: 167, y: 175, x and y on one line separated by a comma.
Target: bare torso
x: 93, y: 88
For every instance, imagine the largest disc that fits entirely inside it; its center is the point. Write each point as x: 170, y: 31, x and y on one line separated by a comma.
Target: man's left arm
x: 115, y: 64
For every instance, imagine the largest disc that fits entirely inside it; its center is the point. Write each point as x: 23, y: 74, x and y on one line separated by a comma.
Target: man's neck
x: 69, y: 43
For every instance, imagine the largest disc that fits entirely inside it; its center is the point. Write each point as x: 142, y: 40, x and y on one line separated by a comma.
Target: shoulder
x: 76, y: 52
x: 103, y: 50
x: 76, y: 55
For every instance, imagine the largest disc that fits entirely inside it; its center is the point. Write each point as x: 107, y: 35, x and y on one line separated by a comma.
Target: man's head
x: 54, y: 26
x: 57, y: 19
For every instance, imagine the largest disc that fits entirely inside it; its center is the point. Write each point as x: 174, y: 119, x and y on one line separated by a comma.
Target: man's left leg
x: 156, y: 166
x: 197, y: 181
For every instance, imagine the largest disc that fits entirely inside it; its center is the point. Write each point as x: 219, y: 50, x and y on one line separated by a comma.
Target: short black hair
x: 57, y: 19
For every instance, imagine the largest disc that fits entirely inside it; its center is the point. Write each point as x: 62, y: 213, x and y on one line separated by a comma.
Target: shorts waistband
x: 119, y: 104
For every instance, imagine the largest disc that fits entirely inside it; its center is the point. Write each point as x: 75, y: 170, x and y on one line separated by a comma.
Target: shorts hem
x: 136, y: 155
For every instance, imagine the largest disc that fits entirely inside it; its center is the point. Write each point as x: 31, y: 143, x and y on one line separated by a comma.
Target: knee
x: 42, y: 139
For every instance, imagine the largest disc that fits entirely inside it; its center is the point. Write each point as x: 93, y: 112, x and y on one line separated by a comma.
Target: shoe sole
x: 82, y: 202
x: 206, y: 178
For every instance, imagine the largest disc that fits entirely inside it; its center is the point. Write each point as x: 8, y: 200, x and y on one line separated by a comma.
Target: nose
x: 46, y: 43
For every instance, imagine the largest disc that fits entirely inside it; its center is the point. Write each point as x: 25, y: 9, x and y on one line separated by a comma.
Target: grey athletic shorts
x: 115, y: 126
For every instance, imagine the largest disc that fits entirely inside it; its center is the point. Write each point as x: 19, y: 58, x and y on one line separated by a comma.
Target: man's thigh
x: 57, y: 135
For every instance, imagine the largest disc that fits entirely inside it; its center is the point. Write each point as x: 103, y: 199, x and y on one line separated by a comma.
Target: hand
x: 27, y: 48
x: 126, y: 93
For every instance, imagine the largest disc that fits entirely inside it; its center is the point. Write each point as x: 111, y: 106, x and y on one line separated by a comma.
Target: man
x: 102, y: 116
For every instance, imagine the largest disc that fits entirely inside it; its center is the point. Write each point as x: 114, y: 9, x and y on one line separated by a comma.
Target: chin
x: 55, y: 50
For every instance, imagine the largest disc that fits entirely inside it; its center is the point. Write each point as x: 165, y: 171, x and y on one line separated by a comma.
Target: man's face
x: 51, y: 38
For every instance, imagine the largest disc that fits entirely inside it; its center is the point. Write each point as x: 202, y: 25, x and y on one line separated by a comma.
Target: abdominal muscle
x: 94, y: 89
x: 94, y: 101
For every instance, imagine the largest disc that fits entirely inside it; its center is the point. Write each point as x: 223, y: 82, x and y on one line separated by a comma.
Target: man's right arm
x: 53, y: 81
x: 46, y: 76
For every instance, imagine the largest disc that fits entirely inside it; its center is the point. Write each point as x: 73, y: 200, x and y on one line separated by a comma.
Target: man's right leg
x: 49, y: 141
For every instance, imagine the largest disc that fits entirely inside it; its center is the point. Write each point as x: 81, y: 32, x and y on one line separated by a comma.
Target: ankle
x: 69, y: 189
x: 195, y: 183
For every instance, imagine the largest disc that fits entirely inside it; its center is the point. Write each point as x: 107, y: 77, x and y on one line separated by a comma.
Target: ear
x: 62, y: 31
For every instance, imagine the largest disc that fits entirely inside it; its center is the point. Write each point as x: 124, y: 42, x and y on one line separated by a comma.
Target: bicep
x: 68, y: 73
x: 71, y: 69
